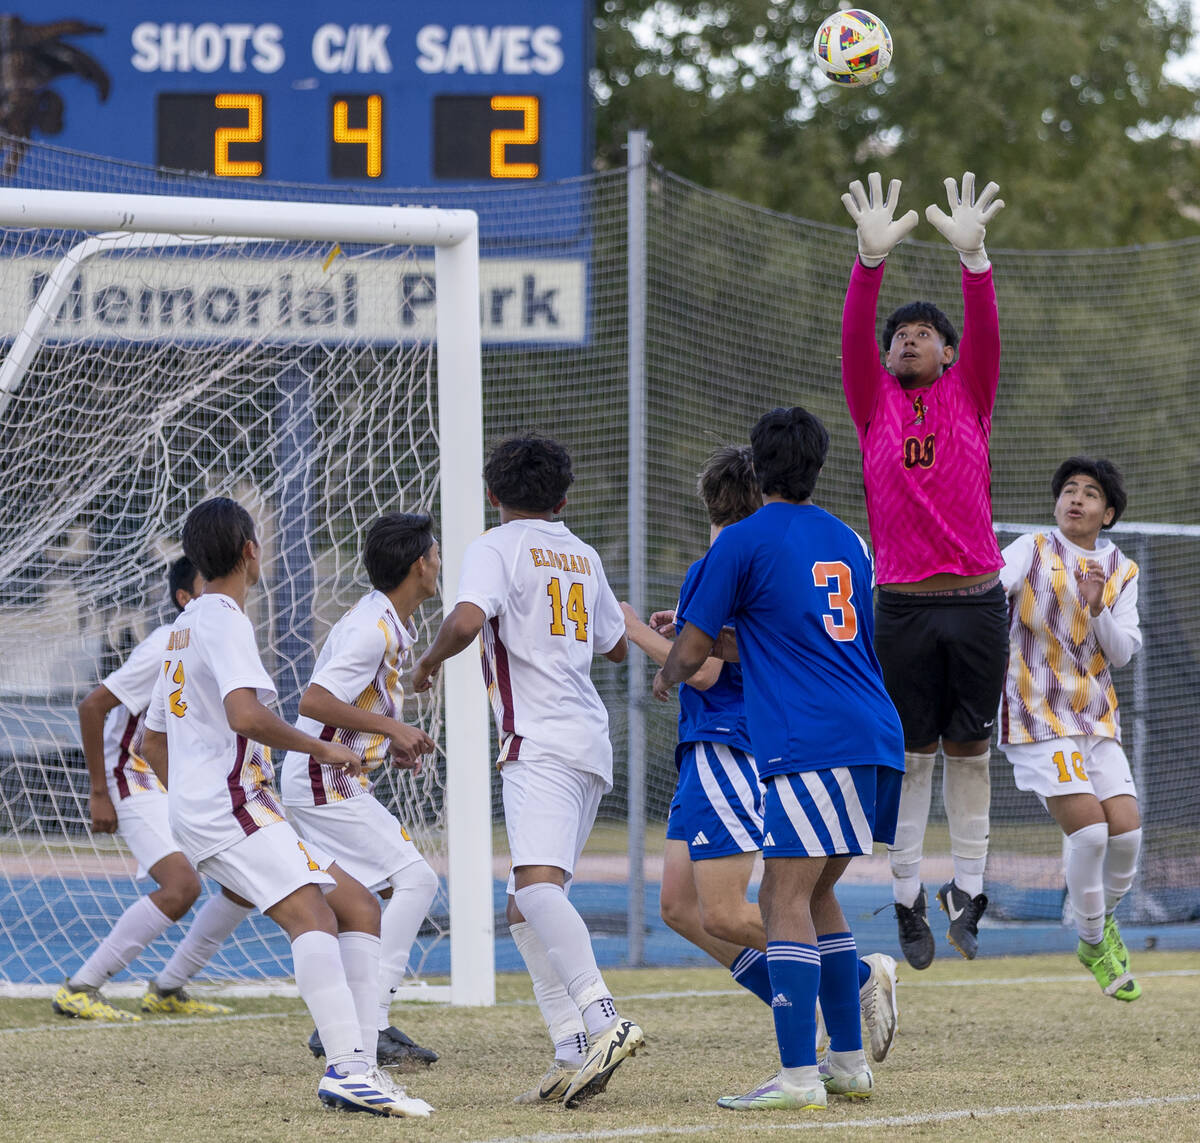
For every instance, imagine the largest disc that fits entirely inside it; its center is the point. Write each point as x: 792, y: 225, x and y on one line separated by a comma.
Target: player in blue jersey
x: 714, y: 830
x: 796, y: 583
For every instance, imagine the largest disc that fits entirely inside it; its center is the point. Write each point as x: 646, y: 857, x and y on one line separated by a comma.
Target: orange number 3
x: 842, y: 620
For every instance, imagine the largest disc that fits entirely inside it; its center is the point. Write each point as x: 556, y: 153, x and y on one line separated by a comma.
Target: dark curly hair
x: 529, y: 472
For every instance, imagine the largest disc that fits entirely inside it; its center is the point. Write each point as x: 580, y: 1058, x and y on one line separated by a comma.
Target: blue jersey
x: 796, y: 583
x: 719, y: 713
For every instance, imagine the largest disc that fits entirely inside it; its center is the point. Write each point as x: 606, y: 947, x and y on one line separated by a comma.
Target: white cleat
x: 605, y: 1055
x: 880, y: 1011
x: 551, y: 1087
x: 374, y: 1092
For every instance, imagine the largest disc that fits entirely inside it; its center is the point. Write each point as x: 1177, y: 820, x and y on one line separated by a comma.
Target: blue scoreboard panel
x: 398, y: 93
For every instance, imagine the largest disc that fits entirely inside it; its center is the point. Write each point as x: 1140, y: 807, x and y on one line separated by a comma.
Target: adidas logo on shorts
x: 700, y: 839
x: 768, y: 840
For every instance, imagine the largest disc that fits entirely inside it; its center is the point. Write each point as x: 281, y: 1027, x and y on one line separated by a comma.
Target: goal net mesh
x: 173, y: 374
x: 111, y: 436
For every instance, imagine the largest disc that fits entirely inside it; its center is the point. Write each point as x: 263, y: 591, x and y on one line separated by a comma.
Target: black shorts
x: 943, y: 657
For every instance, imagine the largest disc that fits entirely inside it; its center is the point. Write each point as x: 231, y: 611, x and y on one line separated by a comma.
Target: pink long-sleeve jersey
x: 926, y: 467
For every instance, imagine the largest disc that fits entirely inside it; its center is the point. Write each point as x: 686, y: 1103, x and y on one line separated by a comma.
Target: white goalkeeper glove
x: 878, y: 230
x: 966, y: 224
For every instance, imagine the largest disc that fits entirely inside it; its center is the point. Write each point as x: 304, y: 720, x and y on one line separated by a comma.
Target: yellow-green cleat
x: 85, y: 1003
x: 176, y: 1002
x: 1130, y: 990
x: 1102, y: 963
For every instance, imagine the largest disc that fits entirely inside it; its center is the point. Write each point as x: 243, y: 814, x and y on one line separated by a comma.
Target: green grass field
x: 1002, y: 1049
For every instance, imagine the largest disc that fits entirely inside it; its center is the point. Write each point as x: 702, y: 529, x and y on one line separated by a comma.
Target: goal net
x: 282, y: 354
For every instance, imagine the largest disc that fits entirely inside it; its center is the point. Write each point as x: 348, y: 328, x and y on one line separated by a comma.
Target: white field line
x: 736, y: 1125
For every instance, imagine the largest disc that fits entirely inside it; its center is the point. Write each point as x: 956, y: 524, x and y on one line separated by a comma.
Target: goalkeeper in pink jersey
x: 924, y: 420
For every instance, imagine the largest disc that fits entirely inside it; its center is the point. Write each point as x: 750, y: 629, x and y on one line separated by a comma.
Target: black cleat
x: 916, y: 937
x: 964, y: 912
x: 397, y: 1050
x: 393, y: 1050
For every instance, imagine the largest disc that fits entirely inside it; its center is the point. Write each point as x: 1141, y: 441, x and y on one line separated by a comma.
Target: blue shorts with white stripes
x: 718, y: 803
x: 826, y: 813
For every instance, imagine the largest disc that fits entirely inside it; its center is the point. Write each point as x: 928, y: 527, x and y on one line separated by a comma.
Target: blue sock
x: 795, y: 979
x: 839, y: 991
x: 864, y: 972
x: 749, y: 969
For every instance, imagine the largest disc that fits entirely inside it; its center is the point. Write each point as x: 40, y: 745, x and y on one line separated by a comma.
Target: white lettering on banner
x: 207, y: 47
x: 360, y: 47
x: 476, y: 49
x: 154, y: 299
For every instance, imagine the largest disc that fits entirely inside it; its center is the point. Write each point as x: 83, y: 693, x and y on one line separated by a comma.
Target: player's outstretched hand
x: 966, y: 225
x: 663, y: 623
x: 874, y: 215
x: 423, y: 675
x: 661, y: 690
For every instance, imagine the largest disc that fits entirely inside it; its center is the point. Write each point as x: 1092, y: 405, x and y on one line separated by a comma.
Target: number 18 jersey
x: 547, y: 608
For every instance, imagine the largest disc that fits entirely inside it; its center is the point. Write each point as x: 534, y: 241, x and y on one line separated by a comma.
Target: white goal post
x: 165, y: 221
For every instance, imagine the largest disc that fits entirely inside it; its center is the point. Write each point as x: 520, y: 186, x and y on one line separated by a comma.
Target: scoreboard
x: 400, y: 93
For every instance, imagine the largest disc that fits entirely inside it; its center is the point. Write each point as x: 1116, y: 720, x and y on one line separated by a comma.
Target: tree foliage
x: 1062, y: 102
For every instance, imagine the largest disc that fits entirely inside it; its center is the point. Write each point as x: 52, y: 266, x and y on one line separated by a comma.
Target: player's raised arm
x: 879, y: 231
x: 965, y: 228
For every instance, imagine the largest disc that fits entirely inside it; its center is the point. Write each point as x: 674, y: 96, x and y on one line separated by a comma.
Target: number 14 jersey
x: 547, y: 608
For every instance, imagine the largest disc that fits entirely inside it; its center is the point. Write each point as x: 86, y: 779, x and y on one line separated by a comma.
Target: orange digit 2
x: 841, y: 621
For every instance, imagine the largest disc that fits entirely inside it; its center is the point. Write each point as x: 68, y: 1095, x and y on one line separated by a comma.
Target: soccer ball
x: 853, y: 46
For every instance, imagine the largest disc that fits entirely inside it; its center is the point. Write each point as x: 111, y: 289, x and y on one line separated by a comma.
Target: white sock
x: 906, y: 851
x: 563, y: 1020
x: 140, y: 924
x: 1085, y: 879
x: 967, y: 794
x: 1120, y: 865
x: 321, y: 979
x: 413, y: 890
x: 210, y: 928
x: 569, y: 949
x: 360, y: 959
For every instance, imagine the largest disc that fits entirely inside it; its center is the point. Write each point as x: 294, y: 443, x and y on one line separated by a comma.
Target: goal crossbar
x: 454, y: 235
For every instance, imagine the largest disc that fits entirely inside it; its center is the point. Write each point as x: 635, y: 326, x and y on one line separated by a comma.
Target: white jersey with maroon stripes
x: 132, y: 683
x: 219, y: 783
x: 360, y: 664
x: 547, y: 609
x: 1059, y: 683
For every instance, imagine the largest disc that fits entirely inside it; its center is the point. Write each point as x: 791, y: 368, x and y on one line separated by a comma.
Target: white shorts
x: 268, y: 865
x: 549, y: 810
x: 1085, y: 764
x: 361, y: 834
x: 142, y: 823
